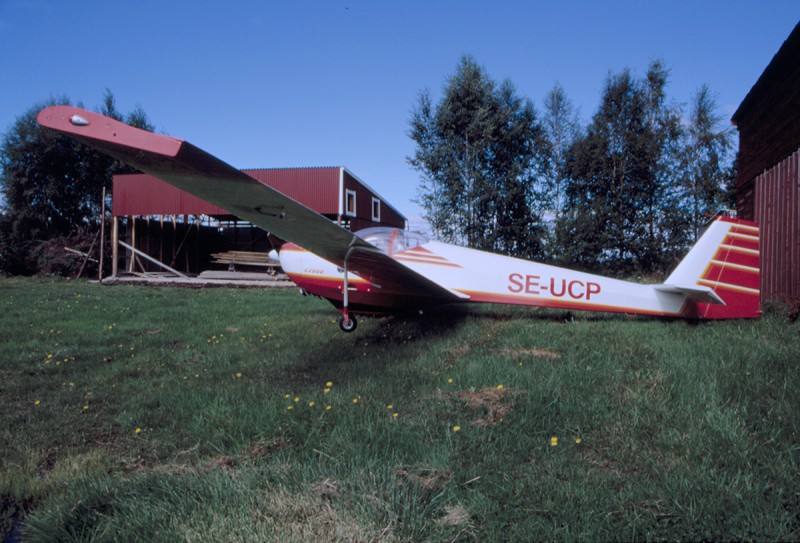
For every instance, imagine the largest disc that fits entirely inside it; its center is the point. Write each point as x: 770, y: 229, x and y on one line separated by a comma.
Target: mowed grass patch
x: 140, y: 413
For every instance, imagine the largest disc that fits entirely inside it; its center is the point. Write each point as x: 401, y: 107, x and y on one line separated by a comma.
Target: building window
x: 376, y: 209
x: 350, y: 203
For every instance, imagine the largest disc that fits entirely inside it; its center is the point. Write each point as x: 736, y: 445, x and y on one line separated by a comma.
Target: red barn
x: 768, y: 182
x: 182, y: 230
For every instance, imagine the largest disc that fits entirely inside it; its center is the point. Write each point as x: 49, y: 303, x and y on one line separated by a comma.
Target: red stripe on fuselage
x: 535, y: 301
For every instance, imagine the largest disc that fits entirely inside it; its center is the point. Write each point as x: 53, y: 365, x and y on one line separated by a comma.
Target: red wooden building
x: 182, y: 230
x: 768, y: 182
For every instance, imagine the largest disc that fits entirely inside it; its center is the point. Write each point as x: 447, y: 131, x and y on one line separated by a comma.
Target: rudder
x: 726, y: 259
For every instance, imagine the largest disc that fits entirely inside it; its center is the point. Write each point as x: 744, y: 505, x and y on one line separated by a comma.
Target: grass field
x: 150, y: 414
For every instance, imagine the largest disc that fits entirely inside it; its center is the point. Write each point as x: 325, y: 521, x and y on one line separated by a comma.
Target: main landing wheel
x: 349, y: 325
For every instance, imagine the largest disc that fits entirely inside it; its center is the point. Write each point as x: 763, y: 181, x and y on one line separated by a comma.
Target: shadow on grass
x: 381, y: 342
x: 378, y: 343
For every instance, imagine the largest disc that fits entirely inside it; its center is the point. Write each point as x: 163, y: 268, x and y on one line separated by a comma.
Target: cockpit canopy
x: 391, y: 240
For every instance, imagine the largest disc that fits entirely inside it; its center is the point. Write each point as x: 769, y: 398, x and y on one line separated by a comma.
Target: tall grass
x: 142, y: 414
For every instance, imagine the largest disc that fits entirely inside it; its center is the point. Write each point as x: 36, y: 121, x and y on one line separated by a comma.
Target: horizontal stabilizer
x: 696, y: 293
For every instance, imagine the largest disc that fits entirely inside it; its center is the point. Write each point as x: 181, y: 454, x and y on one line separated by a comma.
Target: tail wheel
x: 349, y: 324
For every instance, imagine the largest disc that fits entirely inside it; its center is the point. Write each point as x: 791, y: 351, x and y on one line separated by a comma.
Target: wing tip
x: 88, y: 125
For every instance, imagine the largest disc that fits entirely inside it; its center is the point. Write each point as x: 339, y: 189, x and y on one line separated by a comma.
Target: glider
x: 388, y: 270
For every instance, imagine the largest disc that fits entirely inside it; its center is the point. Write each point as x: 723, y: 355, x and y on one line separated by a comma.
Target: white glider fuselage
x: 478, y: 276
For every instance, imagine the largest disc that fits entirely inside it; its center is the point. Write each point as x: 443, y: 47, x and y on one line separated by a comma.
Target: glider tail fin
x: 725, y: 260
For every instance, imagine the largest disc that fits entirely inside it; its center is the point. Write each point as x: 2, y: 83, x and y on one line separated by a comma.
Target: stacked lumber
x: 244, y: 258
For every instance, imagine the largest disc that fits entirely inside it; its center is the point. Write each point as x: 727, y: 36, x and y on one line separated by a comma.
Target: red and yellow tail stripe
x: 734, y: 274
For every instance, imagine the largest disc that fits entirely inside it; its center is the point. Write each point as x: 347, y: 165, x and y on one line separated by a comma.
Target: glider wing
x: 193, y: 170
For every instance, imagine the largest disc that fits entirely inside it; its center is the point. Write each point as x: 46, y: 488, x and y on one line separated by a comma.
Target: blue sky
x: 313, y: 83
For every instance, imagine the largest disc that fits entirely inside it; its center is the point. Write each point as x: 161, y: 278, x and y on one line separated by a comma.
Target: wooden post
x: 132, y: 223
x: 102, y: 235
x: 114, y: 246
x: 174, y: 239
x: 186, y: 252
x: 161, y: 240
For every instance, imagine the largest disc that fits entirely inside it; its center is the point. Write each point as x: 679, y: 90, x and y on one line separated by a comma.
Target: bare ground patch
x: 490, y: 404
x: 547, y: 354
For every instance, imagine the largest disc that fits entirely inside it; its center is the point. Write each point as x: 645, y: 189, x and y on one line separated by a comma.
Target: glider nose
x: 273, y: 255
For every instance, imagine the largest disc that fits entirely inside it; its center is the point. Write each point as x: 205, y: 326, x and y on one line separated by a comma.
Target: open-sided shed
x: 183, y: 231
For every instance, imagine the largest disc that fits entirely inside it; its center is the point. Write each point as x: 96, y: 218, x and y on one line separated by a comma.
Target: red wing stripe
x: 419, y: 249
x: 425, y: 260
x: 420, y: 254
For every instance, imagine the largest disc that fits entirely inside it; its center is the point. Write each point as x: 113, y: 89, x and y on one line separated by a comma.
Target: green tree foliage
x: 52, y: 185
x: 707, y: 155
x: 621, y: 213
x: 480, y: 152
x: 561, y: 128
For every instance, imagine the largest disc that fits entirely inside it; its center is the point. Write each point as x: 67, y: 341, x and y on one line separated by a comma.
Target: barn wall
x: 317, y: 188
x: 364, y: 195
x: 768, y: 118
x: 777, y: 209
x: 142, y: 194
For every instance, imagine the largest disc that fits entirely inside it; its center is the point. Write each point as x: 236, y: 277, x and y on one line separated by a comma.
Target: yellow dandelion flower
x: 137, y: 430
x: 296, y: 399
x: 499, y: 387
x: 311, y: 404
x: 355, y: 400
x: 578, y: 441
x: 85, y: 407
x: 395, y: 415
x: 328, y: 407
x: 289, y: 407
x: 456, y: 428
x: 326, y: 390
x: 390, y: 406
x: 329, y: 384
x: 238, y: 375
x: 286, y: 396
x: 450, y: 380
x: 37, y: 402
x: 49, y: 356
x: 554, y: 441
